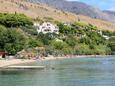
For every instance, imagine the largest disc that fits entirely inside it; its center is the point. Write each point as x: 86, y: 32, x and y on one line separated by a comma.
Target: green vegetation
x: 11, y: 40
x: 14, y: 20
x: 111, y: 44
x: 17, y: 33
x: 86, y: 39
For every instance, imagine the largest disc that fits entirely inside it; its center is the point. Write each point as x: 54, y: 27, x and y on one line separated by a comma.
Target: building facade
x: 46, y: 27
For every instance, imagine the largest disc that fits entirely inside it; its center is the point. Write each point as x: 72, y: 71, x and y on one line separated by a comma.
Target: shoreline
x: 74, y: 56
x: 5, y: 63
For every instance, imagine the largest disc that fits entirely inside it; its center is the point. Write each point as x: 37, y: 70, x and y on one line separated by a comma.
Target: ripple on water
x: 68, y: 72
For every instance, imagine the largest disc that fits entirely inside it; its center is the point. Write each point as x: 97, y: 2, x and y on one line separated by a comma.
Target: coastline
x: 5, y: 63
x: 72, y: 56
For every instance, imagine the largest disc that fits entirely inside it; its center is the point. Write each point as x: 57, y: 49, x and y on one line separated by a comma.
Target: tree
x: 64, y: 29
x: 71, y: 41
x: 111, y: 44
x: 3, y: 37
x: 11, y: 40
x: 59, y: 45
x: 46, y: 38
x: 16, y: 41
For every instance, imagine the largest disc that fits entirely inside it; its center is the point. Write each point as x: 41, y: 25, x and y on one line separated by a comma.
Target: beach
x: 4, y: 63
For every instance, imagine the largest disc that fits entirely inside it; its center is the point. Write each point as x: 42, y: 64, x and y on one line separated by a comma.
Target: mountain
x: 77, y: 8
x: 34, y: 10
x: 110, y: 12
x: 112, y: 9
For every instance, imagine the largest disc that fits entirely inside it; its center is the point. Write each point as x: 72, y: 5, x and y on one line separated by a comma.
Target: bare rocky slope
x: 41, y: 10
x: 112, y: 13
x: 77, y: 8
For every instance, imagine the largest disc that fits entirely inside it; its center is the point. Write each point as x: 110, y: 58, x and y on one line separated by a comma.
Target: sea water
x: 99, y: 71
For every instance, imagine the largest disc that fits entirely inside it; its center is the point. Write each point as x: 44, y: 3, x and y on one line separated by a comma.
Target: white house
x: 46, y: 27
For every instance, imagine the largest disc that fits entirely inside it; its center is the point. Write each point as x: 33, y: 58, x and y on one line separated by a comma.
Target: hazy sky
x: 102, y: 4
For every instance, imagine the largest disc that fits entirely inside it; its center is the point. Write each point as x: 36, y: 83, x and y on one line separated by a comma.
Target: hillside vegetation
x: 17, y: 33
x: 41, y: 11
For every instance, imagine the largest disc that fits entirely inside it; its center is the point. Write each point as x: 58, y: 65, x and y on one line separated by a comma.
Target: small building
x: 3, y: 54
x: 46, y: 27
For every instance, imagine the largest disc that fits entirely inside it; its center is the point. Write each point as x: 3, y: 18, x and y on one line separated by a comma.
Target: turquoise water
x: 68, y: 72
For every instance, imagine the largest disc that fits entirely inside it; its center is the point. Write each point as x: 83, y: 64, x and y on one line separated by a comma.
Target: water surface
x: 68, y: 72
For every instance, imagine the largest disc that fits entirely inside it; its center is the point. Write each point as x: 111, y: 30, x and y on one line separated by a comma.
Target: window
x: 43, y: 27
x: 55, y: 30
x: 47, y: 30
x: 48, y: 24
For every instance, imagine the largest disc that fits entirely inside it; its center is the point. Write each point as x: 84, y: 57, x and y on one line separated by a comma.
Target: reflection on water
x: 68, y: 72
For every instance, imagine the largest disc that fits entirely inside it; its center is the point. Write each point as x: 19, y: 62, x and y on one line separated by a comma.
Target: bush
x: 32, y: 43
x: 14, y: 20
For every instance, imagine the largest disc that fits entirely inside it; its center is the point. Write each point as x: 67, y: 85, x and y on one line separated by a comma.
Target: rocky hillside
x: 77, y: 8
x: 41, y: 10
x: 112, y: 13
